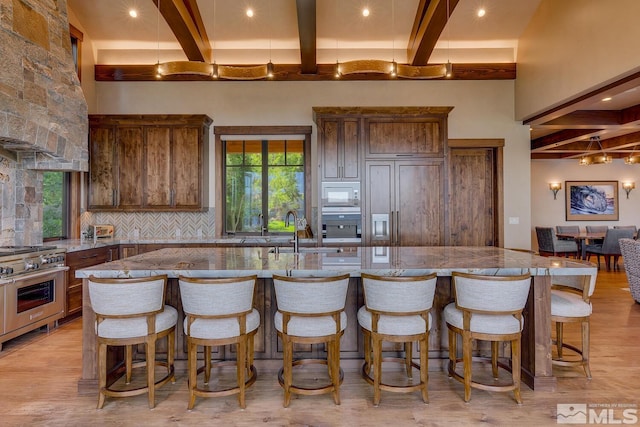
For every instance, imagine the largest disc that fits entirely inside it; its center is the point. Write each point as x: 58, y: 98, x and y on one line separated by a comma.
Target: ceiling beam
x: 293, y: 72
x: 184, y: 19
x: 428, y: 25
x: 307, y: 33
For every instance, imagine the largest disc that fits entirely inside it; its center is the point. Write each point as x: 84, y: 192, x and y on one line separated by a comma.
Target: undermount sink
x: 289, y: 250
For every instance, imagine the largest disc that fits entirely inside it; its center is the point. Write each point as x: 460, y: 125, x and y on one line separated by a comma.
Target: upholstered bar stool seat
x: 130, y: 312
x: 570, y: 303
x: 219, y: 312
x: 311, y: 311
x: 487, y: 308
x: 397, y: 309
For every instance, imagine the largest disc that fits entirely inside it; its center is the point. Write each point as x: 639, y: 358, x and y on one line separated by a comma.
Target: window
x: 76, y: 48
x: 263, y: 180
x: 55, y: 198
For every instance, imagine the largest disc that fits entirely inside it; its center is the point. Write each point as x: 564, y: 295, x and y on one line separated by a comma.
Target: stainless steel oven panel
x: 341, y: 226
x: 52, y: 311
x: 340, y: 194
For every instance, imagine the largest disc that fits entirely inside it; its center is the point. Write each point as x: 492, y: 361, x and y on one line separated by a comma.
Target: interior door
x: 473, y: 197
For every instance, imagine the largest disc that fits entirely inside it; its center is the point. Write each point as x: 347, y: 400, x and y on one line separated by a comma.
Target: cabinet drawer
x: 74, y: 300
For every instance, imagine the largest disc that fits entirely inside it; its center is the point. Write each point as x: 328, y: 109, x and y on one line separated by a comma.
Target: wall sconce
x: 628, y: 186
x: 555, y: 187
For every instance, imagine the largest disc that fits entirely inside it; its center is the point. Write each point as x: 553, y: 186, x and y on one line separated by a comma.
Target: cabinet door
x: 187, y: 168
x: 419, y: 217
x: 472, y: 189
x: 393, y: 137
x: 130, y: 167
x: 340, y: 149
x: 102, y: 186
x: 157, y: 167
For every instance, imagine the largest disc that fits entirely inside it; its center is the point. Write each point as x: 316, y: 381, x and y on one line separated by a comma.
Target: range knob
x: 8, y: 270
x: 28, y: 265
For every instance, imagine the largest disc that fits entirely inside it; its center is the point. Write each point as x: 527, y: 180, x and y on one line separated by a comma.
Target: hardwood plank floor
x: 39, y: 373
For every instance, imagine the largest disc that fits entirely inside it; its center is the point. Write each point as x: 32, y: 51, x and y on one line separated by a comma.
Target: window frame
x: 254, y: 132
x: 76, y: 37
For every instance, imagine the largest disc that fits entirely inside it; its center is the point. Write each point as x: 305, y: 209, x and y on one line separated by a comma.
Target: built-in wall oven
x: 341, y: 215
x: 32, y: 289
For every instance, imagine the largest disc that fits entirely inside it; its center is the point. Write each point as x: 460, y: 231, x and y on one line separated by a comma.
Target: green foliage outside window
x: 53, y: 200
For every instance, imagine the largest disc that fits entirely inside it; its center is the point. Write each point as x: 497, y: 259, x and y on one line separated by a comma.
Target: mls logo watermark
x: 597, y: 413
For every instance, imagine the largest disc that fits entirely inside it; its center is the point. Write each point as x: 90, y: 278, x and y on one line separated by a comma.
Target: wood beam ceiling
x: 184, y: 19
x: 431, y: 18
x: 306, y: 10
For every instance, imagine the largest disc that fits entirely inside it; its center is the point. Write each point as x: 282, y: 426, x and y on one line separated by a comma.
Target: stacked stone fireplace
x: 43, y: 112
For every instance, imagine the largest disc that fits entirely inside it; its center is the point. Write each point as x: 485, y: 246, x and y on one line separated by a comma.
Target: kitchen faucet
x: 295, y: 228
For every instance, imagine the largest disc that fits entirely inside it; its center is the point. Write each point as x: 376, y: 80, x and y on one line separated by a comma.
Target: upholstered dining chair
x: 130, y: 312
x: 571, y: 303
x: 397, y: 309
x: 550, y: 245
x: 487, y: 308
x: 630, y: 250
x: 311, y: 311
x: 219, y: 312
x: 632, y: 227
x: 567, y: 229
x: 610, y: 246
x: 596, y: 229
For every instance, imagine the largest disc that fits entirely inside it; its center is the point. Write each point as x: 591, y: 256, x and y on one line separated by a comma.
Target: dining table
x: 582, y: 238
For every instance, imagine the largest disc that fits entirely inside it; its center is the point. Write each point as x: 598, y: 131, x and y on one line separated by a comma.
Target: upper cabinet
x: 339, y: 148
x: 148, y: 162
x: 391, y: 137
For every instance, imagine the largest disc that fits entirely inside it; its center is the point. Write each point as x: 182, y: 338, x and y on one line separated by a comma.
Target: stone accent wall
x: 21, y: 211
x: 43, y: 108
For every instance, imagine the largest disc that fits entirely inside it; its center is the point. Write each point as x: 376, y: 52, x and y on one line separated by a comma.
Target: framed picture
x: 592, y: 200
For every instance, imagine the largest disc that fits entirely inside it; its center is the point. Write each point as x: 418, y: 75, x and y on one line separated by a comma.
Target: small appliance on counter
x: 102, y: 231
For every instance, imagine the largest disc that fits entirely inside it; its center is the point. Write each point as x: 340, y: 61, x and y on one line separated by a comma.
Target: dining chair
x: 596, y: 229
x: 550, y: 245
x: 610, y: 246
x: 630, y: 250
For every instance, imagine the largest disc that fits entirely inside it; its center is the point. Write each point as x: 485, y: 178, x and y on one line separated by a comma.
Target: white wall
x: 571, y: 46
x: 482, y: 109
x: 549, y: 212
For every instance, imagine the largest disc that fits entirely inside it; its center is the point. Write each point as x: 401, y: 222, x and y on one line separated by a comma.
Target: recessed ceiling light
x: 133, y: 13
x: 608, y: 98
x: 365, y: 12
x: 250, y: 13
x: 481, y: 12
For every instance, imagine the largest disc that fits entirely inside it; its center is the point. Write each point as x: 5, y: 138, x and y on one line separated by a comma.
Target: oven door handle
x: 35, y: 274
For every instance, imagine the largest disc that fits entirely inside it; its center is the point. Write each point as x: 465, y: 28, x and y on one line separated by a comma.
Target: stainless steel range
x: 32, y: 288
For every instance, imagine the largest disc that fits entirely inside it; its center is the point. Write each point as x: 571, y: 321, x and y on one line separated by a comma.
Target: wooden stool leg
x: 335, y: 363
x: 424, y: 366
x: 515, y: 368
x: 377, y: 367
x: 128, y: 362
x: 287, y: 368
x: 408, y: 353
x: 367, y: 350
x: 207, y: 364
x: 241, y: 347
x: 102, y: 373
x: 559, y: 338
x: 192, y: 355
x: 453, y: 351
x: 171, y: 349
x: 466, y: 359
x: 585, y: 348
x: 494, y: 359
x: 250, y: 351
x: 151, y: 364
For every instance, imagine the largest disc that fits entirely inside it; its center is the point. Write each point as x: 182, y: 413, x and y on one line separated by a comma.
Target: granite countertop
x: 263, y: 262
x: 74, y: 245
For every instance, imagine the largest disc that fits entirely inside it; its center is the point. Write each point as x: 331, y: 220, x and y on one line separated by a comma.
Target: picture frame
x: 591, y: 200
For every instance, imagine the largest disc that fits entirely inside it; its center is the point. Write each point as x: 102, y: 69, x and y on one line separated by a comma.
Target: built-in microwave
x: 340, y: 194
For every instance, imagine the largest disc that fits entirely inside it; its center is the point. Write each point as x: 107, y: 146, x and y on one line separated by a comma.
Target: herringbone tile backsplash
x: 154, y: 225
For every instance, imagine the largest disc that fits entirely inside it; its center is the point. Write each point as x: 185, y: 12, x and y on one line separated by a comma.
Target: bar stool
x: 571, y: 303
x: 311, y: 311
x: 487, y: 308
x: 397, y: 309
x: 218, y: 312
x: 130, y: 312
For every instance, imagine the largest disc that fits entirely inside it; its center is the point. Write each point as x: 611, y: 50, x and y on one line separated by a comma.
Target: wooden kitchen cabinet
x: 81, y: 259
x: 339, y: 148
x: 404, y: 203
x: 148, y: 162
x: 403, y: 137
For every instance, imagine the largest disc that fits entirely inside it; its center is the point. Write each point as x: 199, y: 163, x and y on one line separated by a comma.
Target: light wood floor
x: 39, y: 374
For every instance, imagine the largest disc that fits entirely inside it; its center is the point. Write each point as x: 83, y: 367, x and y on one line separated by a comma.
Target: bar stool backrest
x: 491, y: 294
x: 217, y: 296
x: 585, y: 283
x: 399, y: 294
x: 127, y: 297
x: 310, y: 295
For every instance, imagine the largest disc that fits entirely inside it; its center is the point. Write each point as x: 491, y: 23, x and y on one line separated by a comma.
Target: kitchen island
x: 265, y: 262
